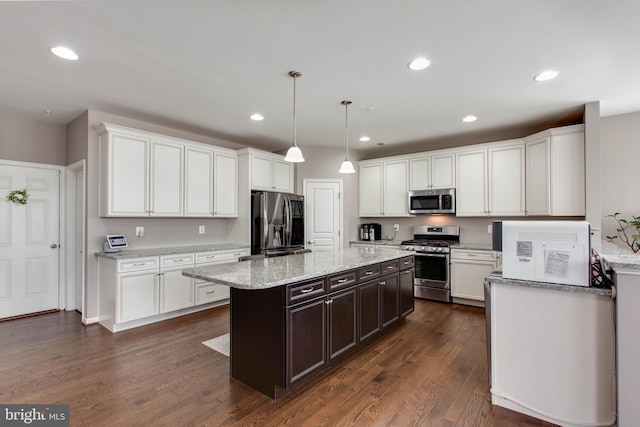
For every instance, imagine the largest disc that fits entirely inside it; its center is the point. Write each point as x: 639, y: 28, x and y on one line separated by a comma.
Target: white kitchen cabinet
x: 225, y: 193
x: 269, y: 172
x: 137, y: 289
x: 166, y: 165
x: 432, y: 171
x: 555, y: 178
x: 146, y: 174
x: 207, y: 292
x: 383, y: 188
x: 176, y: 290
x: 490, y: 180
x: 469, y: 267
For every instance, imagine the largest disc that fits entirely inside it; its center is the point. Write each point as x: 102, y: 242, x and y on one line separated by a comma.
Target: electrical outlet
x: 139, y: 231
x: 201, y: 229
x: 396, y: 227
x: 489, y: 228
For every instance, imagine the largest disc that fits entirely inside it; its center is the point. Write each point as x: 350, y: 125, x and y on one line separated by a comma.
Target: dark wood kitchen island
x: 294, y: 316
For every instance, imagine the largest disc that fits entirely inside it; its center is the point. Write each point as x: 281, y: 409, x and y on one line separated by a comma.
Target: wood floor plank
x: 430, y: 371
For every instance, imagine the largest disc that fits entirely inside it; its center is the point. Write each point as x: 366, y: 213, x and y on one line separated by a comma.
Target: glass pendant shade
x: 346, y: 167
x: 294, y: 155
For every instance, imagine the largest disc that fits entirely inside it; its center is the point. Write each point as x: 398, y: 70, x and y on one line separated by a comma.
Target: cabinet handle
x: 328, y: 302
x: 306, y: 290
x: 472, y: 254
x: 138, y: 264
x: 342, y: 280
x: 177, y: 260
x: 368, y: 273
x: 390, y: 267
x: 237, y: 254
x: 383, y: 283
x: 406, y: 262
x: 210, y: 292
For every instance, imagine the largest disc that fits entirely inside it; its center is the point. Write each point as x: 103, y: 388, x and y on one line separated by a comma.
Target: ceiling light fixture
x: 365, y: 139
x: 64, y: 52
x: 346, y: 166
x: 419, y: 64
x: 469, y: 119
x: 546, y: 75
x: 257, y: 117
x: 294, y: 155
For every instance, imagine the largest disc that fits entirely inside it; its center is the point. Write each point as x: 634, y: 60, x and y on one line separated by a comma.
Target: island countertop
x: 277, y: 271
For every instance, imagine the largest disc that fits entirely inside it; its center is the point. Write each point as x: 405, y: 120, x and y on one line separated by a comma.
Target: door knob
x: 309, y: 242
x: 53, y: 246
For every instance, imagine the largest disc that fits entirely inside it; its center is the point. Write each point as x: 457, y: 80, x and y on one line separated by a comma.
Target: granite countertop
x: 277, y: 271
x: 496, y: 277
x: 622, y: 262
x: 474, y: 246
x: 378, y: 242
x: 138, y: 253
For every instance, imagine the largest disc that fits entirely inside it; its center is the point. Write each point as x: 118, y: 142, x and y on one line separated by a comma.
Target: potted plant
x: 628, y: 231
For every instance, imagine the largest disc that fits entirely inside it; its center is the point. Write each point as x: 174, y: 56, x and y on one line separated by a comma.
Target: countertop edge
x: 150, y: 252
x: 496, y: 277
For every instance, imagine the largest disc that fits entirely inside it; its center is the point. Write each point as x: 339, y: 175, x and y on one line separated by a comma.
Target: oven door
x: 432, y: 270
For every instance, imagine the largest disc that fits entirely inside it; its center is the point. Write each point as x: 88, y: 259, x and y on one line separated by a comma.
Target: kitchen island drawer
x: 208, y: 292
x: 408, y: 262
x: 389, y: 267
x: 369, y: 272
x: 304, y: 291
x: 343, y: 280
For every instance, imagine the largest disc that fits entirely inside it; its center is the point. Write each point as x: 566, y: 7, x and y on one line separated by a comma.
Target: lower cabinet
x: 324, y: 320
x: 468, y: 270
x: 137, y: 295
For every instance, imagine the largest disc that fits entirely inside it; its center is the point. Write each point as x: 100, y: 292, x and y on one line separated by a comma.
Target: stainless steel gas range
x: 431, y: 244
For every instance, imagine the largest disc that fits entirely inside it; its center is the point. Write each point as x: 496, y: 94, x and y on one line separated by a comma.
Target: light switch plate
x: 489, y: 228
x: 201, y: 229
x: 139, y: 231
x: 396, y: 227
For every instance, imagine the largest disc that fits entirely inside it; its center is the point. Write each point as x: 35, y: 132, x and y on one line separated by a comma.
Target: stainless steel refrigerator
x: 277, y: 225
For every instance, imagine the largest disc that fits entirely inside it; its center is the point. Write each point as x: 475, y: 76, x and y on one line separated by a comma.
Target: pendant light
x: 347, y: 166
x: 294, y: 155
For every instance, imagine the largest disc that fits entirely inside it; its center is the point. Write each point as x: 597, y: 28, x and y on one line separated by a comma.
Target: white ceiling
x: 205, y: 66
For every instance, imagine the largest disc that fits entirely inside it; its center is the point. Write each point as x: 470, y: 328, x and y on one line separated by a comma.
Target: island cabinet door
x: 406, y: 292
x: 306, y: 339
x: 390, y: 291
x: 342, y: 316
x: 369, y: 310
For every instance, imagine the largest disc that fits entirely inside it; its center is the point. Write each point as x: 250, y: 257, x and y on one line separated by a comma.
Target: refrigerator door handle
x: 287, y: 227
x: 264, y: 244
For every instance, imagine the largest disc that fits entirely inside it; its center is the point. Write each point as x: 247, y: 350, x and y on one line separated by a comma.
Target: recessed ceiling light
x: 47, y: 112
x: 365, y: 139
x: 469, y: 119
x: 257, y: 117
x: 546, y: 75
x: 419, y: 64
x: 64, y: 52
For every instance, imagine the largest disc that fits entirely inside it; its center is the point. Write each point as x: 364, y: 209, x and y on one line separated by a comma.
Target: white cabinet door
x: 261, y: 173
x: 199, y: 182
x: 166, y: 180
x: 443, y: 171
x: 420, y: 173
x: 137, y: 295
x: 471, y: 190
x: 538, y: 177
x: 125, y: 160
x: 468, y: 270
x: 371, y: 181
x: 282, y: 176
x: 396, y: 186
x: 225, y: 193
x: 506, y: 181
x: 176, y: 290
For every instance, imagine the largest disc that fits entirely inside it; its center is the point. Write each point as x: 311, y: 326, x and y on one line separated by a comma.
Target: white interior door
x: 323, y: 214
x: 79, y: 241
x: 29, y: 241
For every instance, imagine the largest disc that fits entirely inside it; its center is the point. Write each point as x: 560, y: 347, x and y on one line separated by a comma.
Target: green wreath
x: 18, y: 196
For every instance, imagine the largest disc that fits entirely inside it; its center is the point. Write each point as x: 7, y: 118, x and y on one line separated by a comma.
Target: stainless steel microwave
x: 439, y: 201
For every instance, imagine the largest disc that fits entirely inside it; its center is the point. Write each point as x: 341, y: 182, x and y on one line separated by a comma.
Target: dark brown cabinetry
x: 283, y: 335
x: 406, y: 291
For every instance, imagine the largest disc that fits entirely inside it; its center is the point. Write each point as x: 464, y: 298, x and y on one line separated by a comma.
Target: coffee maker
x: 371, y: 231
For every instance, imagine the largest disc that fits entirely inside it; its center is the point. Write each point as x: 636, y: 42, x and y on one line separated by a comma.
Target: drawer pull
x: 306, y: 290
x: 343, y: 280
x: 210, y: 292
x: 177, y: 260
x: 390, y: 267
x: 368, y: 273
x: 406, y: 263
x: 383, y: 283
x: 138, y: 264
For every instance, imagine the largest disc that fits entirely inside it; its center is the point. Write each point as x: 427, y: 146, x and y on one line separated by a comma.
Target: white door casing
x: 323, y: 214
x: 29, y: 240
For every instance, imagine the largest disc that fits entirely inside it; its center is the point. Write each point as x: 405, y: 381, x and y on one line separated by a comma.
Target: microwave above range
x: 439, y: 201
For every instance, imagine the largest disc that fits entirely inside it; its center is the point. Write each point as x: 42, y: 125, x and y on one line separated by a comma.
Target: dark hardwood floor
x: 431, y: 371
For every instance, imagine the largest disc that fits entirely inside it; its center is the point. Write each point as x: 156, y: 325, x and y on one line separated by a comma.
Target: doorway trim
x: 71, y: 222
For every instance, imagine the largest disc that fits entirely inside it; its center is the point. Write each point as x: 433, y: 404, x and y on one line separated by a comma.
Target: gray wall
x: 25, y: 139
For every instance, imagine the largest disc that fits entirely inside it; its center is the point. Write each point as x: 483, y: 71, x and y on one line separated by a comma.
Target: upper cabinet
x: 555, y: 180
x: 146, y: 174
x: 268, y: 171
x: 383, y: 188
x: 491, y: 180
x: 434, y: 171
